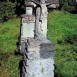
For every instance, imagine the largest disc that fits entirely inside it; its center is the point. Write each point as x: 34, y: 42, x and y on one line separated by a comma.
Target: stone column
x: 41, y: 21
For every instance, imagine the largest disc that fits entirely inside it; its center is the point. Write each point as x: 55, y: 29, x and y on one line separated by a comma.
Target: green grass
x: 9, y: 32
x: 62, y: 30
x: 9, y: 62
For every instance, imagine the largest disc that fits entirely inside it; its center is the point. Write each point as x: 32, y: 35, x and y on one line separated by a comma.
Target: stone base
x: 39, y: 45
x: 38, y: 66
x: 38, y: 61
x: 36, y: 45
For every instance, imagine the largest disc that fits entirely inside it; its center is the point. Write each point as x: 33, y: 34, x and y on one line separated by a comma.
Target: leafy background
x: 10, y: 9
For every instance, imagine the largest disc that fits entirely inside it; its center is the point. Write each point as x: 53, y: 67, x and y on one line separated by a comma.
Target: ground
x: 62, y: 30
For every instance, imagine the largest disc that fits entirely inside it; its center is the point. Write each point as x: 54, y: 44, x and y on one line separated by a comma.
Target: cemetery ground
x: 62, y: 30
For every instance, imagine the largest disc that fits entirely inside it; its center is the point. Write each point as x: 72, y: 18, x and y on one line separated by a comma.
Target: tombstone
x: 37, y: 50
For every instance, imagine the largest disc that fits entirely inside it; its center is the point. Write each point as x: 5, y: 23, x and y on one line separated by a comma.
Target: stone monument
x: 37, y: 50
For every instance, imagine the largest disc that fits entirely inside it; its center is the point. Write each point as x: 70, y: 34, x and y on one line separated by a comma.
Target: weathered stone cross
x: 37, y: 50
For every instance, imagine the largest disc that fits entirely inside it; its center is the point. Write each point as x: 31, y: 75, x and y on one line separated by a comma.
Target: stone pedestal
x: 39, y: 60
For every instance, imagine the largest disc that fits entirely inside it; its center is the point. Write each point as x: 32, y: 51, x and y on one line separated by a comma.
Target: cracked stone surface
x: 37, y: 50
x: 38, y: 65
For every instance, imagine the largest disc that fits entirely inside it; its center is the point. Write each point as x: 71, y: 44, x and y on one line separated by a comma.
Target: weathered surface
x: 37, y: 2
x: 41, y: 22
x: 39, y: 61
x: 37, y: 50
x: 37, y: 28
x: 39, y: 45
x: 43, y: 19
x: 39, y: 68
x: 28, y: 26
x: 29, y: 10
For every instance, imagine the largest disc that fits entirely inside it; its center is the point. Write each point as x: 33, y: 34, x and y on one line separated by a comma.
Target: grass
x: 9, y: 62
x: 62, y: 30
x: 9, y: 32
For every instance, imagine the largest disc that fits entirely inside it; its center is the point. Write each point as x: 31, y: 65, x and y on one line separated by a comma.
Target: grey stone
x: 28, y: 26
x: 40, y: 68
x: 52, y: 6
x: 37, y: 2
x: 29, y: 10
x: 38, y: 55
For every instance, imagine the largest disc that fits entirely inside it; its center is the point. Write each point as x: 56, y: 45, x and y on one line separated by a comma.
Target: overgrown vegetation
x: 68, y: 5
x: 12, y: 8
x: 7, y: 10
x: 62, y: 30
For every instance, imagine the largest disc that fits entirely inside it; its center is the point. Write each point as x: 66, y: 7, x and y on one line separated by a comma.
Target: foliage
x: 20, y: 7
x: 7, y: 10
x: 68, y: 5
x: 12, y: 8
x: 62, y: 29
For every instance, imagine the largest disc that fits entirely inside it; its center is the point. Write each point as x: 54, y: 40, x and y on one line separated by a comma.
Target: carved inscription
x: 28, y: 19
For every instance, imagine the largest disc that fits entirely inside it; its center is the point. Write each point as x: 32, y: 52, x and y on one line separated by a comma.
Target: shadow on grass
x: 20, y: 63
x: 20, y: 67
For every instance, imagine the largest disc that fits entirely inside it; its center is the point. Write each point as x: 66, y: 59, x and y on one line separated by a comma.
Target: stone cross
x: 37, y: 50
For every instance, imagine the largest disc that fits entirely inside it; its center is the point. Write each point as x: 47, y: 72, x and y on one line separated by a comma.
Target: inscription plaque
x: 28, y: 26
x: 28, y: 19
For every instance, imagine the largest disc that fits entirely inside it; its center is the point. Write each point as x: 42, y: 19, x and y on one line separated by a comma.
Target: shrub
x: 7, y: 10
x: 68, y: 5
